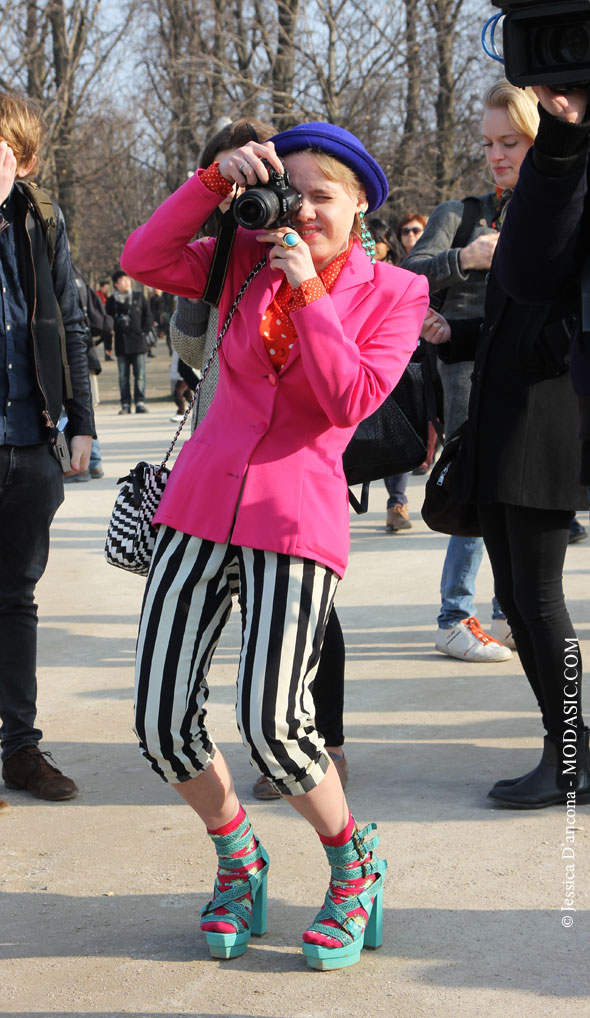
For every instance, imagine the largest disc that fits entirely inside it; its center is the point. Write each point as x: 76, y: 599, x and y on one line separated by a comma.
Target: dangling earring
x: 367, y: 239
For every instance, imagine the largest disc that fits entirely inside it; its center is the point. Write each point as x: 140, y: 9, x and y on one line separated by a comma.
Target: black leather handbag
x: 392, y: 440
x: 442, y: 510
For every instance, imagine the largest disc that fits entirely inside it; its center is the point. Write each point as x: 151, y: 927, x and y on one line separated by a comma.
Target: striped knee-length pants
x: 285, y: 603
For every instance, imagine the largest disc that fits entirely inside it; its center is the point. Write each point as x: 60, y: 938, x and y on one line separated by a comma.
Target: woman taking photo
x: 520, y: 463
x: 258, y: 497
x: 193, y: 333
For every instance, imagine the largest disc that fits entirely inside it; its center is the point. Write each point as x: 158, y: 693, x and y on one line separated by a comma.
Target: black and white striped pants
x: 285, y: 603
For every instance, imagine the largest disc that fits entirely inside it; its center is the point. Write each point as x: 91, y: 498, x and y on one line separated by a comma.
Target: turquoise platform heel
x: 352, y: 931
x: 232, y: 887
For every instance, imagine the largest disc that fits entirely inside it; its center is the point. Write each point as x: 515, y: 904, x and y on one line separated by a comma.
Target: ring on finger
x: 290, y: 240
x: 241, y: 168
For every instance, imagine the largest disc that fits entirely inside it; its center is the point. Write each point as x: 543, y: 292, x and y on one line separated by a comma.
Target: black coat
x: 546, y: 237
x: 521, y: 445
x: 132, y: 322
x: 45, y: 288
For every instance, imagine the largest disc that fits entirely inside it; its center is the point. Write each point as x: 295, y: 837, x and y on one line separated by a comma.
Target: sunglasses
x: 411, y: 229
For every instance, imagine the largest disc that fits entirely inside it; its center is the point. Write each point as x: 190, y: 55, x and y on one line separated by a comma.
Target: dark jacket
x: 521, y: 445
x: 96, y: 318
x: 43, y: 286
x: 132, y: 322
x: 434, y: 256
x: 545, y: 238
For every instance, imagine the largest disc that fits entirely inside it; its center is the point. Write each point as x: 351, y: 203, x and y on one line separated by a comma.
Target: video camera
x: 546, y: 43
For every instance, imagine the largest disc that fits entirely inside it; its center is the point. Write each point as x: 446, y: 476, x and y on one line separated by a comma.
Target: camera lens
x: 256, y: 208
x: 567, y: 44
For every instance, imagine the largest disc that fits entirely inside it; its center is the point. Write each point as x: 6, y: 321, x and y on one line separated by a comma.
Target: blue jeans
x: 125, y: 362
x: 464, y: 554
x: 396, y: 489
x: 31, y: 491
x: 95, y: 455
x: 457, y: 583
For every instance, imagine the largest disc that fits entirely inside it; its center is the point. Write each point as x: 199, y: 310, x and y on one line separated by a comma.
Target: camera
x: 262, y: 206
x: 546, y: 43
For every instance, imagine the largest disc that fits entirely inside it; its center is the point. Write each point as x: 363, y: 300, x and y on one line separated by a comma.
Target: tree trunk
x: 64, y: 141
x: 407, y: 154
x: 283, y: 71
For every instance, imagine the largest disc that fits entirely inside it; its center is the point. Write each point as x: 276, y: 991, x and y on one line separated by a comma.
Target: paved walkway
x: 100, y: 896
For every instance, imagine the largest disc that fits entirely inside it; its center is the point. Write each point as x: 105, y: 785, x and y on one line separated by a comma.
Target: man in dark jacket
x: 34, y: 387
x: 131, y: 315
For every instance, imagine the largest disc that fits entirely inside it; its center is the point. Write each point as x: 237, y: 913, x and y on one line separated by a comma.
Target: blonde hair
x: 340, y: 173
x: 21, y: 127
x: 520, y: 105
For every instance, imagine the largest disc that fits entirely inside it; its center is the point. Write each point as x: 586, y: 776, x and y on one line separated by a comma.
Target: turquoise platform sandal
x: 353, y: 932
x: 231, y: 890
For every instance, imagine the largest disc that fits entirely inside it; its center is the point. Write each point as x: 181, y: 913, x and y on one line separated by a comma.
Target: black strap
x: 223, y: 247
x: 471, y: 213
x: 221, y: 255
x: 429, y: 369
x: 585, y: 288
x: 361, y: 506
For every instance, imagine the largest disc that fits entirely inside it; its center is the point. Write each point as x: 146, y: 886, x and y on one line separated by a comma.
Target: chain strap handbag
x: 131, y: 535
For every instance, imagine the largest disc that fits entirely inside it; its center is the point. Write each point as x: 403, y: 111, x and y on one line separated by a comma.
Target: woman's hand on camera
x: 244, y: 165
x: 570, y: 106
x: 296, y: 262
x: 436, y: 329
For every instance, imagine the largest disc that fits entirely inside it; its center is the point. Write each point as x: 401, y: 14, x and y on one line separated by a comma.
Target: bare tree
x: 56, y: 52
x: 406, y: 165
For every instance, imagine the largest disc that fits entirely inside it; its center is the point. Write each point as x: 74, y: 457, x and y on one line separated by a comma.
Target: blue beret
x: 336, y: 141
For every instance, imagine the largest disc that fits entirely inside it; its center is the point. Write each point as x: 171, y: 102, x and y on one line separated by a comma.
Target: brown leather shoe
x: 30, y: 769
x: 398, y: 518
x: 4, y: 805
x: 263, y: 789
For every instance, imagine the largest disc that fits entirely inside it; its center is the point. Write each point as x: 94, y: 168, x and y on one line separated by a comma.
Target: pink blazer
x: 264, y: 468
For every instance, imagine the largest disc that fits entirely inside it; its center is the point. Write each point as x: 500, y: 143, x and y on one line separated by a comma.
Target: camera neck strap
x: 223, y: 248
x: 221, y: 255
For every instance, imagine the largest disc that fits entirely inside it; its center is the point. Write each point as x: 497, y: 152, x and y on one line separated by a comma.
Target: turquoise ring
x: 290, y: 240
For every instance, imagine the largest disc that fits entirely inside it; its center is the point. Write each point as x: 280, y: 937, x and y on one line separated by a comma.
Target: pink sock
x: 341, y: 890
x: 336, y: 840
x: 231, y: 826
x: 227, y: 878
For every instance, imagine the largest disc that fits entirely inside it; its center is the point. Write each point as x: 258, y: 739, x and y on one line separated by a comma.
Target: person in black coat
x: 520, y: 462
x: 545, y: 240
x: 131, y: 315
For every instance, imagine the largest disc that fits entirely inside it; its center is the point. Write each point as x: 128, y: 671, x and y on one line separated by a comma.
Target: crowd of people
x: 337, y: 302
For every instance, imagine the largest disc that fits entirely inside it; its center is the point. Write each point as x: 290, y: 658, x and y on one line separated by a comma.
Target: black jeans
x: 125, y: 362
x: 328, y: 686
x: 31, y: 491
x: 527, y: 550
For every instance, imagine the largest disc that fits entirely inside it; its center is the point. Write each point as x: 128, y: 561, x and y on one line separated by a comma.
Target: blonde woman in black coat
x: 520, y: 463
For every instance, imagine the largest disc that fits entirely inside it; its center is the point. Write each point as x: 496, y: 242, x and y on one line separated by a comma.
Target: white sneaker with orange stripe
x: 468, y: 642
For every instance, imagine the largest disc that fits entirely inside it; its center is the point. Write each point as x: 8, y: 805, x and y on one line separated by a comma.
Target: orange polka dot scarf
x: 277, y: 330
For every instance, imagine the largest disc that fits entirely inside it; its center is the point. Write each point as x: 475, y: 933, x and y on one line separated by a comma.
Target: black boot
x: 549, y: 783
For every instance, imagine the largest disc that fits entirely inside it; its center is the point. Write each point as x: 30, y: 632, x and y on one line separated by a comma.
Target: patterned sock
x: 340, y: 890
x: 227, y: 878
